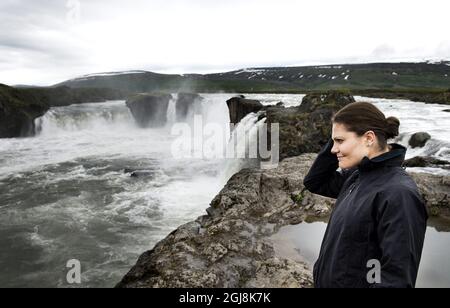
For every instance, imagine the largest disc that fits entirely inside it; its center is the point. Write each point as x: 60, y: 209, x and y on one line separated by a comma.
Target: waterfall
x: 172, y: 110
x: 243, y: 145
x: 89, y: 117
x: 434, y: 147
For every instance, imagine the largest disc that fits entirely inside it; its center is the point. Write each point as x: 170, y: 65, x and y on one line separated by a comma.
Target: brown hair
x: 363, y: 117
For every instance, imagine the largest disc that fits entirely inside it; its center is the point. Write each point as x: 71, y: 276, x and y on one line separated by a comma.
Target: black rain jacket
x: 379, y: 215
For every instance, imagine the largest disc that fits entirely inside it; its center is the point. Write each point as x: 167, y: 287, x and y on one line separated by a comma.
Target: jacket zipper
x: 353, y: 186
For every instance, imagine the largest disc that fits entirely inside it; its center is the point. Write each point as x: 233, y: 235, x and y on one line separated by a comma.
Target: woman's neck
x: 376, y: 154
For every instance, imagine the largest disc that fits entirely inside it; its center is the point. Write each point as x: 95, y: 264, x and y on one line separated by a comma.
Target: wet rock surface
x: 149, y: 110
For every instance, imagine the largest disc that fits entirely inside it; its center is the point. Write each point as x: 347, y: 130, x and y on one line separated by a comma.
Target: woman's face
x: 349, y: 148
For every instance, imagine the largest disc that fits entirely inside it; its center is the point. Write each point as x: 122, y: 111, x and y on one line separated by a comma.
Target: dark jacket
x: 379, y: 215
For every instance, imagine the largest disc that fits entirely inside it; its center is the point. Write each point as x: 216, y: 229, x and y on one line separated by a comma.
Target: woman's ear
x: 370, y: 138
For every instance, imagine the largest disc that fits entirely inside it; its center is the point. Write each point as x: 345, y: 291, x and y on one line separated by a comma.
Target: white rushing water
x: 65, y: 195
x: 289, y: 100
x: 419, y: 117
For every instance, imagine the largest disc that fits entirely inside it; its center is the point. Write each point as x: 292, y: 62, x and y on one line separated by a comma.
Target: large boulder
x: 425, y: 161
x: 239, y: 107
x: 305, y: 129
x: 149, y: 110
x: 435, y: 190
x: 418, y: 140
x: 18, y: 110
x: 186, y: 102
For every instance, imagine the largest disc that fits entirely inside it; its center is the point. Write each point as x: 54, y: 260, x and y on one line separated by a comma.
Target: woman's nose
x: 334, y: 149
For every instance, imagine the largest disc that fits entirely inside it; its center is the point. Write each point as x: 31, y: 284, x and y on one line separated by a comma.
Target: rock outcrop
x: 139, y: 173
x: 186, y: 102
x: 239, y: 107
x: 305, y: 129
x: 418, y: 140
x: 18, y: 110
x: 233, y: 246
x: 435, y: 190
x: 425, y: 161
x: 149, y: 110
x: 325, y: 102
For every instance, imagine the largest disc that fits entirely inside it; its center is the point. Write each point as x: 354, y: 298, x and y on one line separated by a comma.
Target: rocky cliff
x: 231, y: 246
x: 305, y: 129
x: 18, y: 110
x: 149, y: 110
x: 19, y: 107
x: 239, y: 107
x: 186, y: 102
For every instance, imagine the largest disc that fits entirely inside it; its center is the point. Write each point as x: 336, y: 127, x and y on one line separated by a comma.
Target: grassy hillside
x: 377, y: 76
x: 63, y: 95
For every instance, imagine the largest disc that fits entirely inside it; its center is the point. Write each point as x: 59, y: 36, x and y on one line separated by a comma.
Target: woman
x: 379, y: 216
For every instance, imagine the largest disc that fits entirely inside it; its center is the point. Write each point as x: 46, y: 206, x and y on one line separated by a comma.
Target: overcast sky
x: 43, y: 42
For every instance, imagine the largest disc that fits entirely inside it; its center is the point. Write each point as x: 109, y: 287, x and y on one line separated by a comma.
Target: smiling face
x: 349, y: 148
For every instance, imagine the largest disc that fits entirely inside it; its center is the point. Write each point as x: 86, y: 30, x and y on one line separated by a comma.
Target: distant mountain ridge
x: 377, y: 76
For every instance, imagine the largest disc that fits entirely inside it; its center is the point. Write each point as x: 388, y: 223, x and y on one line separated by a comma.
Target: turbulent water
x: 65, y: 195
x: 419, y: 117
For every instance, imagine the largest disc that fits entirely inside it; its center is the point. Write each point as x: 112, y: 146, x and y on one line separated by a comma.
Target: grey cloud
x: 37, y: 7
x: 23, y: 29
x: 21, y: 41
x: 35, y: 36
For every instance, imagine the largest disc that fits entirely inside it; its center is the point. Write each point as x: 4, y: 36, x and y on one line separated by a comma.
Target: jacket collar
x: 394, y: 158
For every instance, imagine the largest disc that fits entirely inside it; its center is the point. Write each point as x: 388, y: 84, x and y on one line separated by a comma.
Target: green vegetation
x: 11, y: 98
x: 298, y: 198
x: 63, y: 96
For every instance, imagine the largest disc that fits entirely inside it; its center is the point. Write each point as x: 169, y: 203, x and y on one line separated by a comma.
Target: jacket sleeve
x: 323, y: 177
x: 401, y: 226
